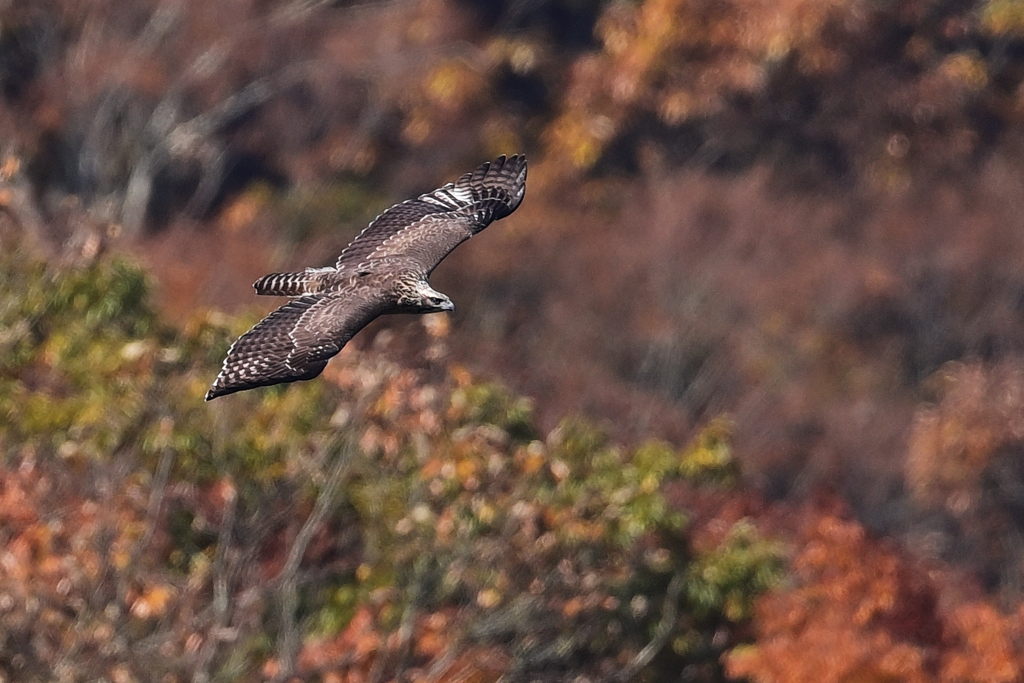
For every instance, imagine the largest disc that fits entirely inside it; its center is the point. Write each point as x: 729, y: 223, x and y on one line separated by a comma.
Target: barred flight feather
x: 383, y: 270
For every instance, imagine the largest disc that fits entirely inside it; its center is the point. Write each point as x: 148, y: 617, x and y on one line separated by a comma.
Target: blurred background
x: 796, y: 225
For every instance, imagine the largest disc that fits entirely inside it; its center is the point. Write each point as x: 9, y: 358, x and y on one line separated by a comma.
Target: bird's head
x: 422, y: 298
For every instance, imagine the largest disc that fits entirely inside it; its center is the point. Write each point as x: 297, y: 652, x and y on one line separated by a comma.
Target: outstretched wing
x: 427, y: 228
x: 292, y: 343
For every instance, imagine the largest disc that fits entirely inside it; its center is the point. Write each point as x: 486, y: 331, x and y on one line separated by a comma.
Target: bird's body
x: 383, y: 270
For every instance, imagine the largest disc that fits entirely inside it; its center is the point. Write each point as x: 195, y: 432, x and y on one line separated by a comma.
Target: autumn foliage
x: 770, y: 254
x: 371, y: 525
x: 860, y: 610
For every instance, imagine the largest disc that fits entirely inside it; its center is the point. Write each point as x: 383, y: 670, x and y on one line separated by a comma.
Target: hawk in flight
x: 383, y: 270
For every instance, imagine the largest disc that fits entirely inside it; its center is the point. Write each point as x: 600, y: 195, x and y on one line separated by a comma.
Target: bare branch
x: 157, y: 493
x: 16, y: 199
x: 402, y: 652
x: 300, y: 9
x: 666, y: 625
x: 288, y: 642
x: 138, y: 192
x: 164, y: 18
x: 221, y: 592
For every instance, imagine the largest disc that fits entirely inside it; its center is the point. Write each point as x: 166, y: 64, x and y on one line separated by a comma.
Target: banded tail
x: 286, y: 284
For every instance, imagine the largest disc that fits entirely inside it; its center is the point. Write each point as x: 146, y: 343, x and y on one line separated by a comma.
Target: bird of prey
x: 383, y: 270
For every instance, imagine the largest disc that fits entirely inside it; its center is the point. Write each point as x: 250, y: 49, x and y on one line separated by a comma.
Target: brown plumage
x: 383, y: 270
